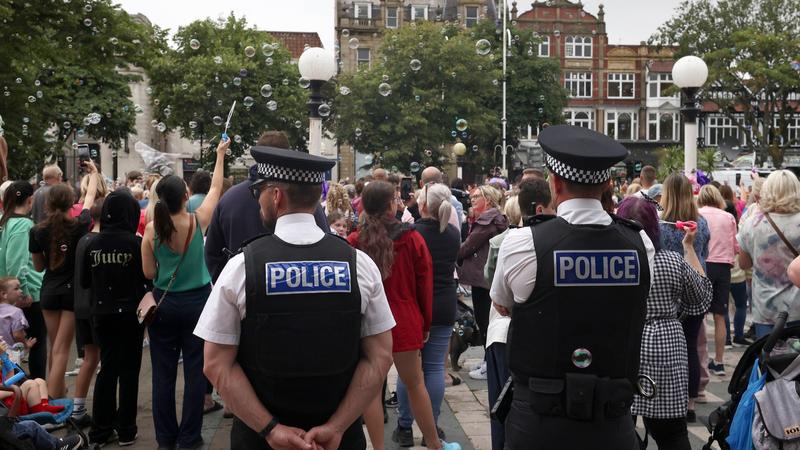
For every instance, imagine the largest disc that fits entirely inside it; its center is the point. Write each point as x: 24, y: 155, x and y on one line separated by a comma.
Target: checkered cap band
x: 273, y: 172
x: 580, y: 176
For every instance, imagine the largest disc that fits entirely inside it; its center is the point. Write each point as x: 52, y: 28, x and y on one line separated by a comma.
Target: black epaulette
x: 630, y: 223
x: 538, y: 218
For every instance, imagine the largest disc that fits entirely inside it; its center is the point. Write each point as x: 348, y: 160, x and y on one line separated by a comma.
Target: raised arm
x: 91, y: 189
x: 206, y: 209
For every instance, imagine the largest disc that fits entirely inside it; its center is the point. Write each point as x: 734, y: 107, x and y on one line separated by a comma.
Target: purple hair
x: 644, y: 212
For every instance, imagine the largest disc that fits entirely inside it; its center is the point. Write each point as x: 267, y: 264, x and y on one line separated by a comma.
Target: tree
x: 749, y: 46
x: 217, y: 63
x: 670, y: 159
x: 443, y: 89
x: 63, y: 76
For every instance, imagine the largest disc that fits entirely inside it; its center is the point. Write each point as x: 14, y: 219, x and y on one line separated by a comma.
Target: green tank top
x: 193, y: 273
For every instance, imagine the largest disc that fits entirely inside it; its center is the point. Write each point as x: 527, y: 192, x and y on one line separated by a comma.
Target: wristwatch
x: 268, y: 429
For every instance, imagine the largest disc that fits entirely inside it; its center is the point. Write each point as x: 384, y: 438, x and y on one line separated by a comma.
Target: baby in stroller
x: 34, y: 392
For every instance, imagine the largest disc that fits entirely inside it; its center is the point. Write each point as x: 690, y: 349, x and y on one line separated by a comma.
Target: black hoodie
x: 113, y: 260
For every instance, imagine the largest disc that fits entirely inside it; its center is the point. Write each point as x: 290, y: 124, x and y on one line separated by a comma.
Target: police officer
x: 297, y: 327
x: 575, y: 286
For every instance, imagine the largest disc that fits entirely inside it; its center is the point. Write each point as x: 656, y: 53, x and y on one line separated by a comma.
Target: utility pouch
x: 580, y: 395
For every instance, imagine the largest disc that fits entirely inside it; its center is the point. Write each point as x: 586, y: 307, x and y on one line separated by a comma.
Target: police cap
x: 289, y: 166
x: 580, y: 155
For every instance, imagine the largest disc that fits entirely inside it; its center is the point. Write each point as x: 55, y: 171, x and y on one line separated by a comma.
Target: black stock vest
x: 586, y: 312
x: 300, y: 338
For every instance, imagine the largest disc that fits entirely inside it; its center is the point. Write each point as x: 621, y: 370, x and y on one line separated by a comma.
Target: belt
x: 576, y: 396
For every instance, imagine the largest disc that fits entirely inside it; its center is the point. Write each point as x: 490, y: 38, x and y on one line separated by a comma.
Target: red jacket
x: 409, y: 290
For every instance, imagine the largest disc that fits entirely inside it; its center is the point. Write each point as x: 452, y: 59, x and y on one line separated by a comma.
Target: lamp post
x: 460, y: 150
x: 318, y: 66
x: 689, y: 73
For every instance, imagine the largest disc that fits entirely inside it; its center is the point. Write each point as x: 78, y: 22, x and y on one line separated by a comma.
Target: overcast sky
x: 627, y: 21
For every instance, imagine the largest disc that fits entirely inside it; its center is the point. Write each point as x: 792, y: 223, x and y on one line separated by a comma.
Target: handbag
x: 146, y: 312
x: 781, y: 235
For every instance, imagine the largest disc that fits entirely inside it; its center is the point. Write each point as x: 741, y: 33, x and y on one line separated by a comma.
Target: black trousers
x: 481, y: 302
x: 691, y: 329
x: 669, y: 434
x: 527, y: 430
x: 243, y: 438
x: 37, y: 357
x: 119, y: 337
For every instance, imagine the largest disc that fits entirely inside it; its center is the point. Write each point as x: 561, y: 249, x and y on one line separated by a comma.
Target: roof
x: 296, y: 41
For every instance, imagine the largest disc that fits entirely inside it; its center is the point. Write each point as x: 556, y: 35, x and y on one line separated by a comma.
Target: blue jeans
x: 497, y: 373
x: 763, y: 329
x: 739, y: 294
x: 28, y: 429
x: 170, y: 335
x: 433, y: 354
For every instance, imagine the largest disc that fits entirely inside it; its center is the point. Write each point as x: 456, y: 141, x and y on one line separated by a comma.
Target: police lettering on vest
x: 596, y: 267
x: 303, y: 277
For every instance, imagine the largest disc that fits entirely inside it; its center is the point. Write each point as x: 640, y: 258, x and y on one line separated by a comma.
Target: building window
x: 362, y: 10
x: 663, y: 127
x: 579, y: 84
x: 621, y: 125
x: 419, y: 12
x: 578, y: 47
x: 583, y: 119
x: 792, y: 138
x: 719, y: 128
x: 471, y: 16
x: 657, y: 83
x: 544, y: 47
x: 391, y: 17
x: 620, y: 85
x: 362, y: 58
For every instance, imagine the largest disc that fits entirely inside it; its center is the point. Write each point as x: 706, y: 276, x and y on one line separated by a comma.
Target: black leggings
x: 481, y: 302
x: 669, y: 434
x: 691, y: 328
x: 37, y: 357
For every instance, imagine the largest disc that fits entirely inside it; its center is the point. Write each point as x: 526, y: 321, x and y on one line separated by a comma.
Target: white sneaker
x: 479, y: 373
x: 74, y: 372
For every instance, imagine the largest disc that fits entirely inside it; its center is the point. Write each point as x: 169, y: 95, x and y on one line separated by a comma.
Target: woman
x: 722, y: 250
x: 52, y: 245
x: 405, y: 265
x: 172, y: 246
x: 16, y: 261
x: 769, y: 254
x: 679, y: 286
x: 443, y: 241
x: 489, y: 222
x: 100, y: 192
x: 339, y: 201
x: 678, y: 204
x: 730, y: 201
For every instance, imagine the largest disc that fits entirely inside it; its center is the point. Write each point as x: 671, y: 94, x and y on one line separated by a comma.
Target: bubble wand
x: 228, y: 122
x: 691, y: 225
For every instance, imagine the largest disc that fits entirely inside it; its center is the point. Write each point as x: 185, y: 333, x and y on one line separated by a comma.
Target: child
x: 33, y: 391
x: 338, y: 223
x: 12, y: 320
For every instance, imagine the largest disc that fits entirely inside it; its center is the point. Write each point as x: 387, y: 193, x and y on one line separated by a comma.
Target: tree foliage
x: 748, y: 46
x: 62, y: 62
x: 191, y: 86
x: 454, y: 83
x: 670, y: 160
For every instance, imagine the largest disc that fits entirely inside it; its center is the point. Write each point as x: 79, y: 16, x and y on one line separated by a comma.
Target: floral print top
x: 772, y: 290
x: 672, y: 239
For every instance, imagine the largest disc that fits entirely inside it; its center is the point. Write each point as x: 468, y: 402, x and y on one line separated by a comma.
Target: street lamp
x: 318, y: 66
x: 690, y: 73
x: 459, y: 149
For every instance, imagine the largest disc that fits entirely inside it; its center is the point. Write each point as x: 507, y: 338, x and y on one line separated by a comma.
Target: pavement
x: 464, y: 413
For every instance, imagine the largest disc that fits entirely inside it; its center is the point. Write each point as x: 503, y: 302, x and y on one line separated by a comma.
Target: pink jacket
x: 722, y: 247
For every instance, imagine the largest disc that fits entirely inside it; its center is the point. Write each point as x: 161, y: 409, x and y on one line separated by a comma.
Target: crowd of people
x: 76, y: 260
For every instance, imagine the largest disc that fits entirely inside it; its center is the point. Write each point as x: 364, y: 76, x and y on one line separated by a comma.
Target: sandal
x: 215, y: 407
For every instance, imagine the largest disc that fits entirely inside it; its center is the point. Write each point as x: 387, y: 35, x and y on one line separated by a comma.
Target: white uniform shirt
x: 515, y: 275
x: 221, y: 319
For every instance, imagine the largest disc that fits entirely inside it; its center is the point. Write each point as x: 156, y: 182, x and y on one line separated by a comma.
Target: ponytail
x: 162, y: 222
x: 445, y: 209
x: 436, y: 198
x: 171, y: 192
x: 15, y: 195
x: 59, y: 223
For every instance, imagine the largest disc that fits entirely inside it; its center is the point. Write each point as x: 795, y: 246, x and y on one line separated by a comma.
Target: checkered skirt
x: 676, y: 289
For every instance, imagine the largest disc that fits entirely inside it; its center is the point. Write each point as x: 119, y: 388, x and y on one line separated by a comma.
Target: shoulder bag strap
x: 781, y: 235
x: 180, y: 261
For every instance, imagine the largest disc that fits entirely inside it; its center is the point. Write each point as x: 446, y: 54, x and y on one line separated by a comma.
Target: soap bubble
x: 368, y: 159
x: 495, y: 82
x: 194, y: 44
x: 324, y: 110
x: 298, y: 124
x: 218, y: 59
x: 285, y: 82
x: 415, y: 65
x: 417, y: 97
x: 80, y: 133
x: 167, y: 112
x: 237, y: 81
x: 162, y: 127
x: 414, y: 167
x: 66, y: 125
x: 581, y: 358
x: 87, y: 7
x: 249, y: 51
x: 483, y: 47
x: 267, y: 49
x: 266, y: 90
x: 243, y: 72
x: 272, y: 105
x: 345, y: 33
x: 268, y: 61
x: 344, y: 90
x: 237, y: 139
x: 217, y: 120
x: 248, y: 101
x: 385, y: 89
x: 63, y: 247
x: 31, y: 99
x: 353, y: 43
x: 138, y: 109
x: 358, y: 132
x: 192, y: 124
x: 18, y: 80
x: 114, y: 41
x: 148, y: 91
x: 461, y: 124
x: 304, y: 82
x: 385, y: 78
x: 454, y: 133
x: 95, y: 118
x: 474, y: 148
x: 87, y: 21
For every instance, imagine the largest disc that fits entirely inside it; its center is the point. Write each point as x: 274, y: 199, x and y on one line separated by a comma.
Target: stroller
x: 464, y: 333
x: 721, y: 419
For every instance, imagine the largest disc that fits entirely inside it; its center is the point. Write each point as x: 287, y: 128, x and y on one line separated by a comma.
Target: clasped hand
x: 323, y: 437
